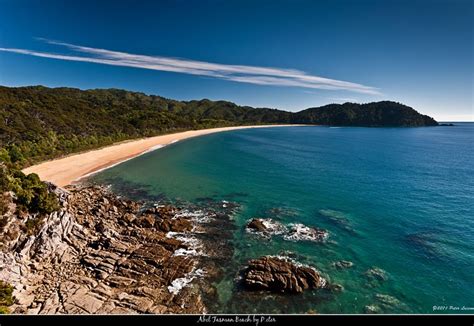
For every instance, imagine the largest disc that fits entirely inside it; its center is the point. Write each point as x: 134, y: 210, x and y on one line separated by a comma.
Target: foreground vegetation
x: 39, y: 123
x: 6, y: 297
x: 26, y: 197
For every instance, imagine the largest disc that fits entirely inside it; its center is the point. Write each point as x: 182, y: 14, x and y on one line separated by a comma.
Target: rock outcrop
x: 278, y: 274
x: 291, y: 232
x: 257, y: 224
x: 102, y: 254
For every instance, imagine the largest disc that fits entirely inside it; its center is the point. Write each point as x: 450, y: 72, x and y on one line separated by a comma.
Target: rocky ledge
x: 279, y: 274
x: 102, y: 254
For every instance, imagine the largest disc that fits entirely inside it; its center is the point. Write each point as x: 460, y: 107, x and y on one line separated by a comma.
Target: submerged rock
x: 372, y: 309
x: 387, y: 300
x: 384, y: 304
x: 376, y: 274
x: 343, y: 264
x: 280, y: 212
x: 338, y: 218
x: 279, y: 274
x: 335, y: 287
x: 427, y: 243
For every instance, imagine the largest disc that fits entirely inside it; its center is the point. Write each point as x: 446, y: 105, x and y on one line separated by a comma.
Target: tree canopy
x: 39, y: 123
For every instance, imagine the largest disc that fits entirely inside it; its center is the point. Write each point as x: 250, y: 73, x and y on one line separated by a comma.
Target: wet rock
x: 171, y: 244
x: 293, y: 232
x: 278, y: 274
x: 300, y: 232
x: 256, y: 224
x: 266, y: 227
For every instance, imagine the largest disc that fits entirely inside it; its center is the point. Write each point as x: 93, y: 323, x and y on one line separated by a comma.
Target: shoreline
x: 70, y: 169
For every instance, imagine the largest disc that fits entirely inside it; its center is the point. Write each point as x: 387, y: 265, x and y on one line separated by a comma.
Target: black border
x: 229, y: 319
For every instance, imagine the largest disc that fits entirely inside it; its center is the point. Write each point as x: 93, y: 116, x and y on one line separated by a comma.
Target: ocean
x: 400, y: 200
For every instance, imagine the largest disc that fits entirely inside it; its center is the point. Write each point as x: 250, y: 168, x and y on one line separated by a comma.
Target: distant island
x: 39, y: 123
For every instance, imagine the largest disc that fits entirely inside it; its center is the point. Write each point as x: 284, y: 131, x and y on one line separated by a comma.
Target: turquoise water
x: 400, y: 199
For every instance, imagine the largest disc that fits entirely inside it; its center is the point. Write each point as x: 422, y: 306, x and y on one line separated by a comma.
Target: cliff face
x: 101, y: 254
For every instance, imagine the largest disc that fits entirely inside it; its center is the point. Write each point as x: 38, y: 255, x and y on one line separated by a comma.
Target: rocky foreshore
x: 102, y: 254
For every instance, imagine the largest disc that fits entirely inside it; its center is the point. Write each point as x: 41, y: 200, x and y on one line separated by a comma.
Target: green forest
x: 39, y: 123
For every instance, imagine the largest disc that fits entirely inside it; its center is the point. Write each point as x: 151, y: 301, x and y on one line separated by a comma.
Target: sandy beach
x: 67, y: 170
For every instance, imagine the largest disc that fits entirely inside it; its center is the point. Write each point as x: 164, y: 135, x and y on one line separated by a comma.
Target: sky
x: 289, y: 55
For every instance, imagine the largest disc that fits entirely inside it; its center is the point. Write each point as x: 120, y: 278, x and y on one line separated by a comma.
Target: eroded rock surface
x: 278, y: 274
x: 101, y: 254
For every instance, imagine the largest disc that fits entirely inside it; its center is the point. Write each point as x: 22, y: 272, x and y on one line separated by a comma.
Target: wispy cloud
x: 343, y: 99
x: 237, y: 73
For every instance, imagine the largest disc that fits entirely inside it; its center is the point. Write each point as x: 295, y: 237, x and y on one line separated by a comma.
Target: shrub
x: 6, y: 297
x: 32, y: 194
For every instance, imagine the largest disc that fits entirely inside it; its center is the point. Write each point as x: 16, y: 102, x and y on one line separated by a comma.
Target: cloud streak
x: 236, y: 73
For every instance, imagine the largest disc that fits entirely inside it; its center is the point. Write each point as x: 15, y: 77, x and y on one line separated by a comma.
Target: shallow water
x: 400, y: 199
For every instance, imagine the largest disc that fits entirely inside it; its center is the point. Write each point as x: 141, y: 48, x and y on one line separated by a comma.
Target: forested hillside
x: 38, y: 123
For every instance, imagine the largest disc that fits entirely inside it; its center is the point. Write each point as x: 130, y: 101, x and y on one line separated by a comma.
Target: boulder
x: 279, y: 274
x: 256, y: 224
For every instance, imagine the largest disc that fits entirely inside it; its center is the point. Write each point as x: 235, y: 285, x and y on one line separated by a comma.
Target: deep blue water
x: 400, y: 199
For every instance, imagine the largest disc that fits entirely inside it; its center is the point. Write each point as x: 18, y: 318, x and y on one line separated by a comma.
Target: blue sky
x: 283, y: 54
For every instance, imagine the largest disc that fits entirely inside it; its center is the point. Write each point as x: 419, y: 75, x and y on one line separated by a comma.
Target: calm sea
x: 399, y: 199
